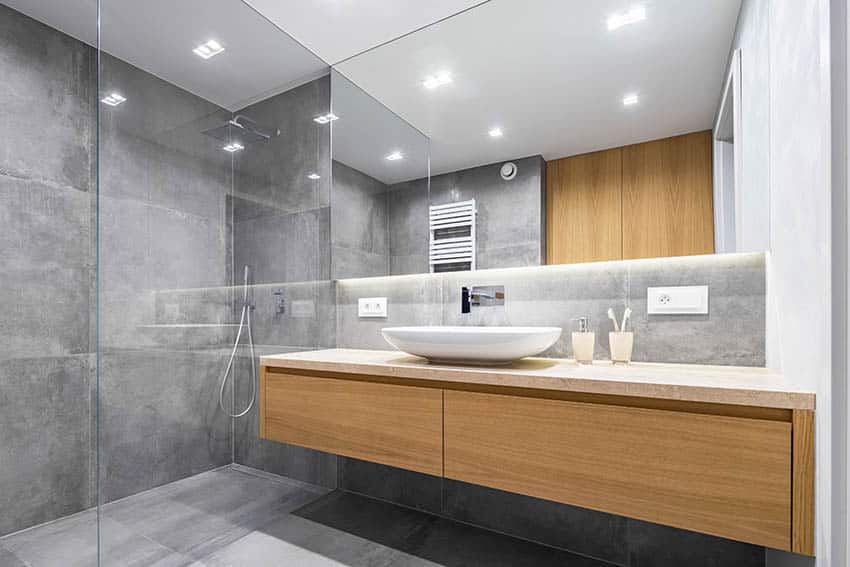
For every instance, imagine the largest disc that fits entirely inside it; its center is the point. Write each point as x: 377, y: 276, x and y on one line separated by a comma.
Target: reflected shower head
x: 241, y: 129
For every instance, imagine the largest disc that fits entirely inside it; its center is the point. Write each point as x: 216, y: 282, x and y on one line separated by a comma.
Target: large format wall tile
x: 47, y: 109
x: 359, y: 224
x: 504, y: 238
x: 733, y: 333
x: 45, y: 440
x: 412, y: 300
x: 47, y: 103
x: 159, y: 418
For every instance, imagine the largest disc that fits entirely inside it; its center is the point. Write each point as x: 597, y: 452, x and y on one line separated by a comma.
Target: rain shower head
x: 241, y: 129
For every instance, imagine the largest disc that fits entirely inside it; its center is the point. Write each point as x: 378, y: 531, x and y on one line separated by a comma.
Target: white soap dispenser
x: 584, y: 341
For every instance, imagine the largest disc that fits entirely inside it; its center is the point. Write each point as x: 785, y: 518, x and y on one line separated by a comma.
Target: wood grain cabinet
x: 400, y: 426
x: 739, y: 472
x: 725, y: 476
x: 647, y: 200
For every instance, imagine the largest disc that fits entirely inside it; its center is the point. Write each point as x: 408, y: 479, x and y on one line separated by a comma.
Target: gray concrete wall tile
x: 159, y: 418
x: 412, y: 300
x: 505, y: 239
x: 732, y: 334
x: 53, y: 92
x: 45, y: 440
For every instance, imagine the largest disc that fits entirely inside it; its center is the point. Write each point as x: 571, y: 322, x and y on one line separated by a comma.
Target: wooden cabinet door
x: 400, y: 426
x: 668, y: 197
x: 583, y: 202
x: 725, y: 476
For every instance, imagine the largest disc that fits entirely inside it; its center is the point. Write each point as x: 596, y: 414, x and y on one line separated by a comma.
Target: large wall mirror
x: 557, y: 131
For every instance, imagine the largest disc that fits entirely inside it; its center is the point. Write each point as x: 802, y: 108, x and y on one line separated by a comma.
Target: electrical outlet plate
x: 682, y: 300
x: 372, y: 307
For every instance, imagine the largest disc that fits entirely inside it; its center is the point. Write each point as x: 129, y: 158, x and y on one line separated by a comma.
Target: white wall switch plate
x: 682, y: 300
x: 372, y: 307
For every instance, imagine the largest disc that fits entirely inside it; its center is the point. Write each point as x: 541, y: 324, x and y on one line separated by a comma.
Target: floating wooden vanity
x: 720, y: 450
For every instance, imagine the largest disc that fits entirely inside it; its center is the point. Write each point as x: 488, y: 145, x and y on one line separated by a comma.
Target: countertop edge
x: 745, y: 396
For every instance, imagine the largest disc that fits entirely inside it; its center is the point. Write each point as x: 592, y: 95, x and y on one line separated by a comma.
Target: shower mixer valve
x: 279, y: 301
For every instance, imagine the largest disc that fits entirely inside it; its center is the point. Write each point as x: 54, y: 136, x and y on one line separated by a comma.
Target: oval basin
x: 472, y: 345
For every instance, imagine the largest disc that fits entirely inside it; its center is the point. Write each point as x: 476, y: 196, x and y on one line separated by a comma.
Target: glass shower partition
x: 48, y: 98
x: 214, y: 206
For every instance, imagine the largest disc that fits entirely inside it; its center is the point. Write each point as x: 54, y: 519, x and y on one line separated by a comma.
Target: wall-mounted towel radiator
x: 452, y: 241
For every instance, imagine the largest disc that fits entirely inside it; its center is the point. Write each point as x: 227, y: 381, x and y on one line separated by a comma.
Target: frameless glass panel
x: 47, y: 256
x: 379, y: 213
x: 214, y: 224
x: 600, y: 131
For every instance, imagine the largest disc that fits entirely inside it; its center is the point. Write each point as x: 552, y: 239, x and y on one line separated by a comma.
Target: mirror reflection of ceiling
x: 158, y: 36
x: 259, y: 61
x: 548, y: 73
x: 366, y: 133
x: 553, y: 77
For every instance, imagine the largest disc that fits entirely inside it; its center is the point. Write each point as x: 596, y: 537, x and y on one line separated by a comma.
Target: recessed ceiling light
x: 233, y: 147
x: 314, y: 176
x: 325, y: 118
x: 208, y: 49
x: 636, y: 14
x: 629, y: 100
x: 495, y: 132
x: 435, y: 81
x: 113, y: 99
x: 395, y: 156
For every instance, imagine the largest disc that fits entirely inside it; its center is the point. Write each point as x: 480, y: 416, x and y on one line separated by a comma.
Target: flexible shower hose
x: 246, y: 317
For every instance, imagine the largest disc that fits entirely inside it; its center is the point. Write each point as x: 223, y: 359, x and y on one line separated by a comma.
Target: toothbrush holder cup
x: 621, y: 344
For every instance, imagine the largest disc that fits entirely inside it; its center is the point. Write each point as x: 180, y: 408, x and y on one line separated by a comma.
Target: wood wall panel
x: 725, y: 476
x: 400, y: 426
x: 668, y: 197
x: 583, y: 202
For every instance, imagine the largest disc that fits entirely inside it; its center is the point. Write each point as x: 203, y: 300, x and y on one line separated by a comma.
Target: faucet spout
x: 471, y: 296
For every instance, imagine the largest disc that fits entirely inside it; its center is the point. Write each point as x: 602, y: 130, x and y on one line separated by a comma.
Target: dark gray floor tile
x: 459, y: 545
x: 583, y: 531
x: 367, y: 518
x: 651, y: 545
x: 408, y: 488
x: 431, y: 538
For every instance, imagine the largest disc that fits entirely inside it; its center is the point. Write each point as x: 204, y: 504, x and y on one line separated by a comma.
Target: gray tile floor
x: 242, y: 517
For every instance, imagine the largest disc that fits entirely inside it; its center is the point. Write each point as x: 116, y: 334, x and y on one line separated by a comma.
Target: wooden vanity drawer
x: 725, y: 476
x: 393, y: 425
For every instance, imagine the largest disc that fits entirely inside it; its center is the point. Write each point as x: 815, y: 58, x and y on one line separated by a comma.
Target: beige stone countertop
x: 734, y: 385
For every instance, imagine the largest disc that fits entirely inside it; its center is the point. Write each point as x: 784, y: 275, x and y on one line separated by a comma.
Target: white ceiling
x: 158, y: 36
x: 338, y: 29
x: 552, y: 76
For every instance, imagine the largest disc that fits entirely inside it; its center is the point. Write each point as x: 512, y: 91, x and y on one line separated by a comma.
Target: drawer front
x: 725, y: 476
x: 399, y: 426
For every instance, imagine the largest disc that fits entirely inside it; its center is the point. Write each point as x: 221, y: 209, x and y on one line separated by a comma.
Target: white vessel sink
x: 472, y: 345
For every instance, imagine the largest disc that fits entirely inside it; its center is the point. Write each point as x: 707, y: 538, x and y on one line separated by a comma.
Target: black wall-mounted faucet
x: 472, y: 296
x: 464, y: 300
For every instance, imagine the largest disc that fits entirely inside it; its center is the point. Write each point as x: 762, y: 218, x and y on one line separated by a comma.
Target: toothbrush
x: 614, y: 319
x: 626, y: 314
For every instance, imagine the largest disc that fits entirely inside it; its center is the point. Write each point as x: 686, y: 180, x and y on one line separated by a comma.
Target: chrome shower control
x: 279, y: 301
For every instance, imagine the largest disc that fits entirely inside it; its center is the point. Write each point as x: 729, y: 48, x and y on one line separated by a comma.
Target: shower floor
x: 236, y: 516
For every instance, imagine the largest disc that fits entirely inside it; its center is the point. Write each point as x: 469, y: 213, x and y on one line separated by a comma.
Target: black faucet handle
x: 464, y: 300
